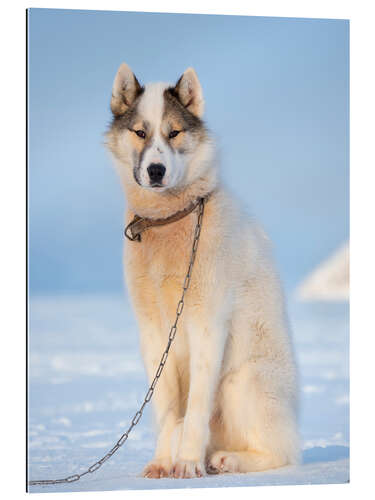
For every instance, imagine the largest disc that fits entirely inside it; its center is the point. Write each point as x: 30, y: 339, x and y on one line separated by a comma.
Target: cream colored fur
x: 227, y: 398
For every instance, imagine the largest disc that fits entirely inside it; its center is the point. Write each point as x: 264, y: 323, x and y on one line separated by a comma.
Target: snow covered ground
x: 86, y: 380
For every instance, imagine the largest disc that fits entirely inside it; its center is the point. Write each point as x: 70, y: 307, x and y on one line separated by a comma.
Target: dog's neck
x: 151, y: 204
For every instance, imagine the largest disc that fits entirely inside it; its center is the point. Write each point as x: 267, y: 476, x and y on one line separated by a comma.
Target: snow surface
x: 86, y: 380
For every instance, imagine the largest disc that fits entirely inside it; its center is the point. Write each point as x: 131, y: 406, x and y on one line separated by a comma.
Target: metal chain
x: 150, y: 392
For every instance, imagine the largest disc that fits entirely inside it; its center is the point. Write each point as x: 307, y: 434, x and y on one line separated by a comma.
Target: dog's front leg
x: 165, y: 399
x: 206, y: 343
x: 153, y: 336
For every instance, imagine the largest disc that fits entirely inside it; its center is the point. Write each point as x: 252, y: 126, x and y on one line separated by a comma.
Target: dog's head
x: 157, y: 134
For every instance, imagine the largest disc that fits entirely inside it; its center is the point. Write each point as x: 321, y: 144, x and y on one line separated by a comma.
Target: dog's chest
x: 163, y: 256
x: 166, y: 253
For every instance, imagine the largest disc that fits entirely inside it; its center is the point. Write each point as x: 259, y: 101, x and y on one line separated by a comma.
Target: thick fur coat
x: 227, y: 398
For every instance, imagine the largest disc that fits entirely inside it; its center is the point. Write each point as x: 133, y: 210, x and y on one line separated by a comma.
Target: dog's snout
x: 156, y: 172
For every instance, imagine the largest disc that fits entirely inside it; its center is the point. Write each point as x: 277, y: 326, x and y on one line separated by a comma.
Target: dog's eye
x: 173, y: 133
x: 140, y: 133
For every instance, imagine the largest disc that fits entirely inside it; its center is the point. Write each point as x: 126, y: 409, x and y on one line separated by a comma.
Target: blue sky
x: 277, y: 101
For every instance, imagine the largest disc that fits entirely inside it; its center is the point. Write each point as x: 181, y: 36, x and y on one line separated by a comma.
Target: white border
x: 12, y: 224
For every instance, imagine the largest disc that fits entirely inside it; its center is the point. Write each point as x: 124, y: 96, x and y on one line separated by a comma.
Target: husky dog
x: 227, y: 398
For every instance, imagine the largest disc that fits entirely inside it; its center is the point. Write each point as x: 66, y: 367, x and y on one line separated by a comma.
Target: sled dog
x: 227, y: 398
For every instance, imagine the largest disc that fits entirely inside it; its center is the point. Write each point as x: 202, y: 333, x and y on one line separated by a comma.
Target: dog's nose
x: 156, y: 172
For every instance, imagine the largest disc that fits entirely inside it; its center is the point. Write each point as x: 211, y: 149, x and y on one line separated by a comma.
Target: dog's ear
x: 189, y: 92
x: 124, y: 91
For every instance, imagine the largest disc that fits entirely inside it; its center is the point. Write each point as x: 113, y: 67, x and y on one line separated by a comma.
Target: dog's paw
x: 187, y: 469
x: 223, y: 461
x: 157, y: 468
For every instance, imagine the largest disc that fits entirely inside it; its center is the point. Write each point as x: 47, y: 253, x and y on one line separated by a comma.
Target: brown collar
x: 140, y: 224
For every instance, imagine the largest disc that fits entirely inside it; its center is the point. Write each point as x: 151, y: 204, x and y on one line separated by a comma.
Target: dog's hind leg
x: 253, y: 441
x: 242, y: 461
x: 255, y: 424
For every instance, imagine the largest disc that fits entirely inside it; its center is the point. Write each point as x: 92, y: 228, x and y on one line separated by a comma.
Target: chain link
x: 180, y: 306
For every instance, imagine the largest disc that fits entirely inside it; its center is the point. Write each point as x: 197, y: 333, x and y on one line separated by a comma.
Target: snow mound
x: 329, y: 281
